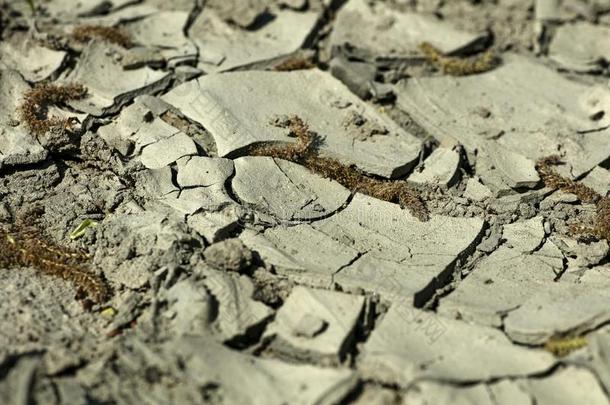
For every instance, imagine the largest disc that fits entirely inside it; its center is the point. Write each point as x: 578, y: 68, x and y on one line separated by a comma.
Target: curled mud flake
x: 26, y: 249
x: 458, y: 66
x: 562, y: 346
x: 305, y: 152
x: 84, y: 33
x: 33, y: 109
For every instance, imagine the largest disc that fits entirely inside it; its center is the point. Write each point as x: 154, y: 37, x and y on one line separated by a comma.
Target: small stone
x: 309, y: 326
x: 229, y: 255
x: 547, y: 227
x: 441, y: 168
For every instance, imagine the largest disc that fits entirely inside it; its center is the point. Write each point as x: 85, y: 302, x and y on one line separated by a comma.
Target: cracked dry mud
x: 304, y: 202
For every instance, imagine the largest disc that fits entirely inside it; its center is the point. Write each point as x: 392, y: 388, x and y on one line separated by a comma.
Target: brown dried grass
x: 553, y: 180
x: 34, y: 107
x: 114, y: 35
x: 296, y: 63
x: 304, y: 151
x: 458, y: 66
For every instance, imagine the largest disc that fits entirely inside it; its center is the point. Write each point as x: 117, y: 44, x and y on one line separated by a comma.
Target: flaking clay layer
x: 304, y: 202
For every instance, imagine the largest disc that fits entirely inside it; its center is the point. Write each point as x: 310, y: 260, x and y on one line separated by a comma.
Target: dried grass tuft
x: 562, y: 346
x: 458, y: 66
x: 114, y: 35
x: 294, y: 152
x: 305, y: 151
x: 33, y: 110
x: 296, y: 63
x: 553, y: 180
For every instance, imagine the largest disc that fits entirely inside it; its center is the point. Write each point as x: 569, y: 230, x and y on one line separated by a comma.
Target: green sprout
x: 32, y: 6
x: 82, y: 228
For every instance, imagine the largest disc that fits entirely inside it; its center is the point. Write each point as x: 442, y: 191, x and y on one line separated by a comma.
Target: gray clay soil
x: 295, y: 202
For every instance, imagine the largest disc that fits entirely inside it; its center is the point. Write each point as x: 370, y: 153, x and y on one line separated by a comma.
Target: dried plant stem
x: 305, y: 152
x: 458, y: 66
x: 25, y: 249
x: 113, y: 35
x: 553, y: 180
x: 563, y: 346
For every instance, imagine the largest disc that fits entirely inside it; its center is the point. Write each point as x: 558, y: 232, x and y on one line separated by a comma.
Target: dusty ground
x: 295, y: 202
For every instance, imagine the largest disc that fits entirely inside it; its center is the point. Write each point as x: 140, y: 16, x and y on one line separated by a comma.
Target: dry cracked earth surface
x: 304, y: 202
